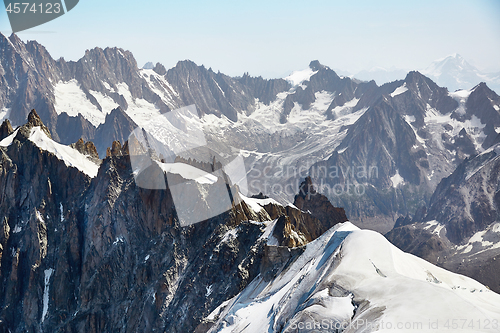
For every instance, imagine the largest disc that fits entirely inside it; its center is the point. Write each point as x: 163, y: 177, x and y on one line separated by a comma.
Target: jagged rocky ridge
x: 412, y: 132
x: 82, y: 253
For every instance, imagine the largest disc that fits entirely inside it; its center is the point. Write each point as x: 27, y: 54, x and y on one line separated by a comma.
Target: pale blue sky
x: 272, y: 38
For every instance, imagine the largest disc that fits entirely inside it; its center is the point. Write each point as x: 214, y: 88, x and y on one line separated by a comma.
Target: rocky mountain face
x: 401, y: 138
x: 93, y: 252
x: 83, y: 248
x: 460, y: 230
x: 74, y: 98
x: 415, y: 134
x: 21, y: 84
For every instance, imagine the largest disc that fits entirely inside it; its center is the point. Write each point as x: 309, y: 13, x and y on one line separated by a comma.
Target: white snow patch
x: 435, y: 121
x: 478, y: 237
x: 397, y: 179
x: 149, y: 117
x: 215, y: 314
x: 345, y: 109
x: 431, y: 224
x: 322, y: 102
x: 297, y: 77
x: 159, y: 85
x: 71, y: 157
x: 267, y: 234
x: 460, y: 94
x: 61, y: 210
x: 71, y: 99
x: 468, y: 248
x: 39, y: 216
x: 222, y: 91
x: 342, y: 150
x: 399, y: 90
x: 8, y: 140
x: 48, y: 273
x: 118, y: 240
x: 436, y: 225
x: 257, y: 204
x: 107, y: 86
x: 409, y: 119
x: 107, y: 103
x: 461, y: 97
x: 187, y: 171
x: 300, y: 118
x: 209, y: 290
x: 478, y: 240
x: 228, y: 236
x: 17, y: 229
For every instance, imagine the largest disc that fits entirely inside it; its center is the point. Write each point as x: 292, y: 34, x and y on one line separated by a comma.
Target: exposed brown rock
x: 320, y: 207
x: 33, y: 121
x: 116, y: 149
x: 5, y: 129
x: 286, y: 234
x: 86, y: 148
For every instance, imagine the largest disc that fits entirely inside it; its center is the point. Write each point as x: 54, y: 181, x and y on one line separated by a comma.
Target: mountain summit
x: 455, y: 73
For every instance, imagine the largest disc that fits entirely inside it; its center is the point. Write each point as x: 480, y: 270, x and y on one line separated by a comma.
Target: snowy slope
x: 356, y: 277
x: 454, y: 72
x: 188, y: 172
x: 71, y: 157
x: 440, y: 126
x: 71, y: 99
x: 297, y: 77
x: 8, y: 140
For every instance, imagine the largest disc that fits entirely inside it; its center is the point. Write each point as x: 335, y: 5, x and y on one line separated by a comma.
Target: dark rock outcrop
x: 80, y: 254
x: 464, y: 204
x: 5, y: 129
x: 86, y: 148
x: 318, y: 205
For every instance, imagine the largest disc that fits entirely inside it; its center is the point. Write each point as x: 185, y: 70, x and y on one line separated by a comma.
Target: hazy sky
x: 272, y: 38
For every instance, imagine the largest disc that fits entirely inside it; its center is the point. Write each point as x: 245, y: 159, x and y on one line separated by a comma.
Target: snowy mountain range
x: 452, y: 72
x: 94, y: 248
x: 83, y: 245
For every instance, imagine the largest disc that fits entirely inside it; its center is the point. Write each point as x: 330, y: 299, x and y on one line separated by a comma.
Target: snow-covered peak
x: 452, y: 62
x: 346, y: 267
x: 71, y: 157
x: 454, y: 72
